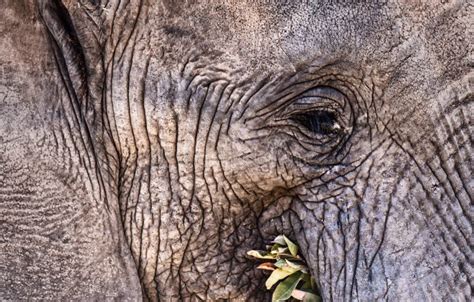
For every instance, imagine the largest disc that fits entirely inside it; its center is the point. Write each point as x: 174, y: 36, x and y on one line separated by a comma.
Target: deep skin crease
x: 147, y: 145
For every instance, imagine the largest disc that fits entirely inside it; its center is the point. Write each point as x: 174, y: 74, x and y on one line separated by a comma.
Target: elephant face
x: 202, y: 131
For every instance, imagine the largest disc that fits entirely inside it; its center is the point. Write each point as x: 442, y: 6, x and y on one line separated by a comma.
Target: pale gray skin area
x: 147, y: 145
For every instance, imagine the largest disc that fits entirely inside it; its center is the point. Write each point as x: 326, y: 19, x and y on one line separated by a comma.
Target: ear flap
x: 69, y: 54
x: 77, y: 67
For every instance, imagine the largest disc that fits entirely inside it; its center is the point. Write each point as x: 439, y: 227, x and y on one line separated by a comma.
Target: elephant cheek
x: 392, y: 233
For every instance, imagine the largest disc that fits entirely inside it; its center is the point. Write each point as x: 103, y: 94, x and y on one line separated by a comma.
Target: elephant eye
x: 317, y: 123
x: 320, y: 122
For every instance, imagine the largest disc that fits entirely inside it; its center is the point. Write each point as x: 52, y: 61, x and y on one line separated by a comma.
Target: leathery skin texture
x: 145, y: 146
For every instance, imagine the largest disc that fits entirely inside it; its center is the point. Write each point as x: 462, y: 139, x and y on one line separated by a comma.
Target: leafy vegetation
x: 289, y: 272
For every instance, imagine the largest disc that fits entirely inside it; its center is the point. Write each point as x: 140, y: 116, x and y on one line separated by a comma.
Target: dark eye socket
x: 321, y: 122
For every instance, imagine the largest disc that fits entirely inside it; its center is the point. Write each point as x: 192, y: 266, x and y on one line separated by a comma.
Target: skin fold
x: 145, y: 146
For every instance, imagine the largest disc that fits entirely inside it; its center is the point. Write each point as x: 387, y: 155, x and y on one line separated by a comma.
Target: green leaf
x: 297, y: 266
x: 291, y: 246
x: 278, y: 249
x: 260, y: 254
x: 314, y: 286
x: 310, y: 297
x: 285, y: 288
x: 280, y: 239
x: 288, y: 270
x: 276, y: 276
x: 274, y: 248
x: 307, y: 284
x: 280, y: 263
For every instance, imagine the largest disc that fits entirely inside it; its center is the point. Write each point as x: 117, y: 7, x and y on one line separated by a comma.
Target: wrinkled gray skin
x: 147, y: 145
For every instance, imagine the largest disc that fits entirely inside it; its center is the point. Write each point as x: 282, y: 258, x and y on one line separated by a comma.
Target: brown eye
x: 320, y: 122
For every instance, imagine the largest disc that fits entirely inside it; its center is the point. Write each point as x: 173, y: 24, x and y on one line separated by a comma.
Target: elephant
x: 146, y: 146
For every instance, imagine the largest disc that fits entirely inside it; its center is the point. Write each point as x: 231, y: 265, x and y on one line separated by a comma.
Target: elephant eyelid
x: 318, y: 122
x: 322, y: 92
x: 317, y: 98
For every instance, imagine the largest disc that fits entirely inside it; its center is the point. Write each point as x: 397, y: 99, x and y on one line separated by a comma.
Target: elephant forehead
x: 272, y: 33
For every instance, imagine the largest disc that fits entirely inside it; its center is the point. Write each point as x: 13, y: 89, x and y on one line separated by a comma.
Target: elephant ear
x: 75, y: 66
